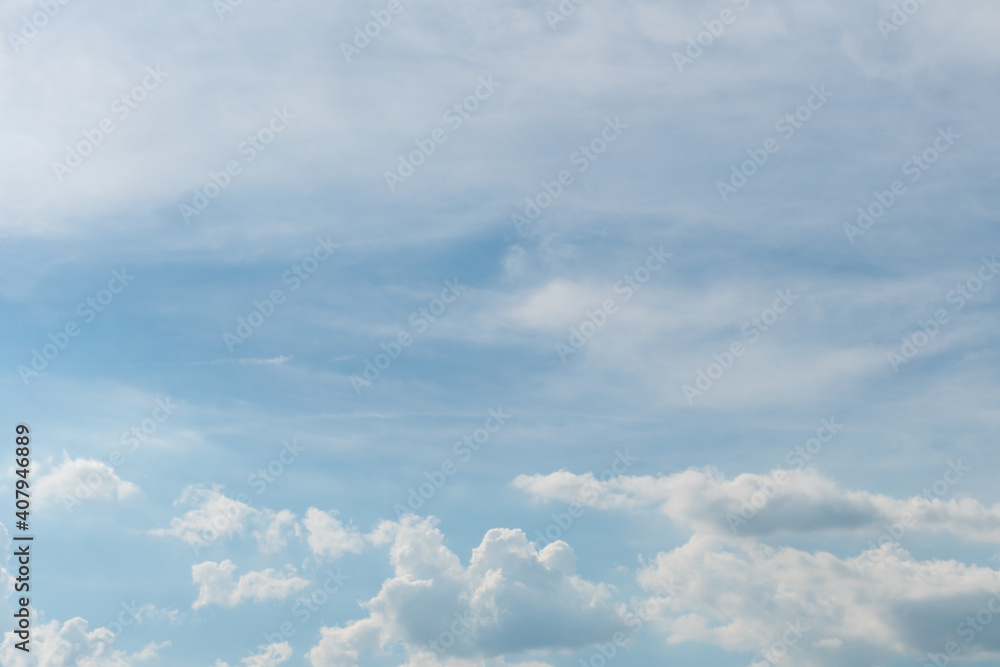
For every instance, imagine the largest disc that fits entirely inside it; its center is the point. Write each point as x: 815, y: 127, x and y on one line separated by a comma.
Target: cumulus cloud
x: 328, y: 537
x: 823, y: 610
x: 77, y: 480
x: 214, y: 515
x: 69, y: 644
x: 784, y: 501
x: 510, y: 599
x: 216, y: 584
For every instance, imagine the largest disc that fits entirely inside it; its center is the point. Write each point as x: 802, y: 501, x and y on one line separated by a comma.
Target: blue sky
x: 591, y: 215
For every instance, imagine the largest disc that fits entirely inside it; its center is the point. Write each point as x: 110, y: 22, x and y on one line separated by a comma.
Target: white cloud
x: 77, y: 480
x: 70, y: 644
x: 216, y: 584
x: 328, y: 537
x: 220, y: 90
x: 823, y: 610
x: 273, y: 655
x: 215, y: 515
x: 272, y: 537
x: 511, y: 598
x: 555, y: 305
x: 742, y: 597
x: 760, y: 505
